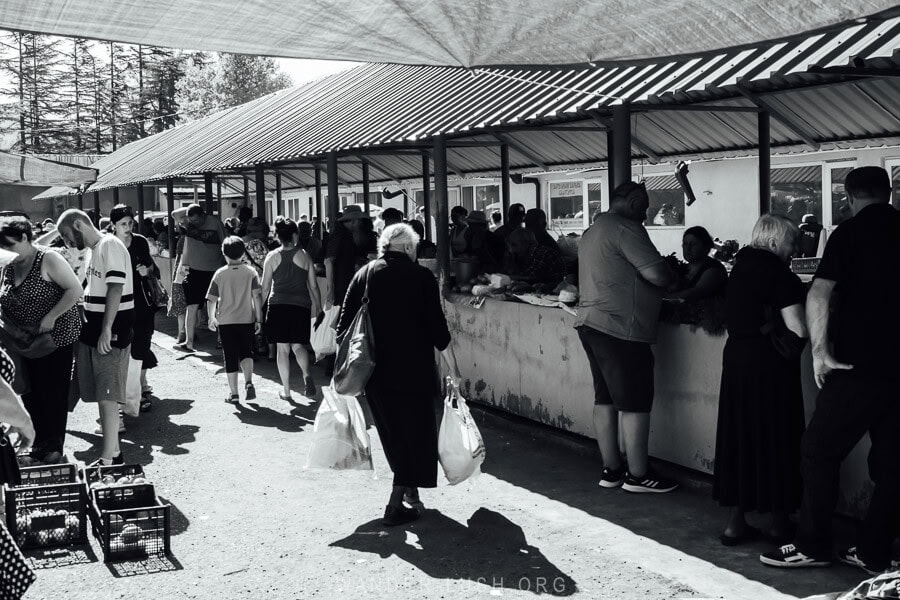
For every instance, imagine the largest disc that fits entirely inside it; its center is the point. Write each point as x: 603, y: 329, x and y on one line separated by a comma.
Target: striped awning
x: 381, y: 107
x: 806, y: 174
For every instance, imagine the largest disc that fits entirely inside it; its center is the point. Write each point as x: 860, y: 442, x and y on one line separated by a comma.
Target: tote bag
x: 340, y: 439
x: 355, y: 358
x: 460, y: 446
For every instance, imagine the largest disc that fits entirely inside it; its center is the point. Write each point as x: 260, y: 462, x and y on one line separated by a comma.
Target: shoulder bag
x: 355, y: 359
x: 154, y: 291
x: 787, y: 343
x: 24, y: 341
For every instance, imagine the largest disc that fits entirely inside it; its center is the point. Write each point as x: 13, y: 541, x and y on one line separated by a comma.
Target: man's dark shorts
x: 195, y: 286
x: 622, y: 370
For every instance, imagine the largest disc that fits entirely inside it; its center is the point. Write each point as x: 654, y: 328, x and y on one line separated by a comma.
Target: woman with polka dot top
x: 38, y: 291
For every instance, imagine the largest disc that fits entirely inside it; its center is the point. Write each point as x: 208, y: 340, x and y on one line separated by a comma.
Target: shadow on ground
x: 154, y: 428
x: 687, y: 520
x: 490, y: 551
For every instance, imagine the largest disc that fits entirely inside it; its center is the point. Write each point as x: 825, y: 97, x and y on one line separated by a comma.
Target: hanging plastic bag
x: 132, y: 406
x: 460, y: 446
x: 324, y: 338
x: 340, y: 439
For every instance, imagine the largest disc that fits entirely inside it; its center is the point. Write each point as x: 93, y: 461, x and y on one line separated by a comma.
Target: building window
x: 452, y: 198
x: 797, y: 191
x: 893, y: 169
x: 666, y: 202
x: 566, y: 205
x: 840, y: 206
x: 595, y: 200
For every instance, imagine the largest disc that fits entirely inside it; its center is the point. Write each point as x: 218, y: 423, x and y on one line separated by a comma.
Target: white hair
x: 773, y: 226
x: 395, y: 236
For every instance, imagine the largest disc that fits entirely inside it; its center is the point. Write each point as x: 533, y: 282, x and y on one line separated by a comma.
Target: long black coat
x: 408, y: 325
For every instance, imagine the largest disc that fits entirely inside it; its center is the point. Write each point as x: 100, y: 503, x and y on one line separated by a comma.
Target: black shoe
x: 249, y: 391
x: 850, y: 556
x: 648, y: 484
x: 613, y: 478
x: 398, y: 516
x: 788, y: 557
x: 101, y: 462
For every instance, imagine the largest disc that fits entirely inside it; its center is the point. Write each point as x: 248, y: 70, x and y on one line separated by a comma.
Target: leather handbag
x: 25, y: 341
x: 355, y: 359
x: 787, y: 343
x: 154, y: 292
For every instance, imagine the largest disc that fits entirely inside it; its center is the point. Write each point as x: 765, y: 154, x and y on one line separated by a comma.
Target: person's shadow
x: 490, y: 550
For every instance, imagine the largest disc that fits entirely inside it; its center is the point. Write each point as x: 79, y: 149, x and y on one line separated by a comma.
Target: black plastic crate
x: 47, y: 515
x: 48, y: 474
x: 92, y: 474
x: 130, y: 522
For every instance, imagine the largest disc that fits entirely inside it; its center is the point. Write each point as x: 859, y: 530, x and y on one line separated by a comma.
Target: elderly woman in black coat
x: 408, y: 325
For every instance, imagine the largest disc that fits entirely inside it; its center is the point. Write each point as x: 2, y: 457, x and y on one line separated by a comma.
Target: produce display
x: 47, y: 526
x: 110, y: 481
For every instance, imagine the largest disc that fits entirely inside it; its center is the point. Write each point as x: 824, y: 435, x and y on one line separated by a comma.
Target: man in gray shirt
x: 621, y: 277
x: 202, y: 257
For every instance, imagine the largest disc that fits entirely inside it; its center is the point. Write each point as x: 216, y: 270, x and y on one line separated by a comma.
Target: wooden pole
x: 334, y: 200
x: 442, y: 208
x: 219, y: 197
x: 365, y: 176
x: 115, y: 196
x: 97, y: 208
x: 260, y: 176
x: 170, y: 207
x: 426, y: 194
x: 765, y: 162
x: 209, y: 200
x: 246, y: 191
x: 610, y: 168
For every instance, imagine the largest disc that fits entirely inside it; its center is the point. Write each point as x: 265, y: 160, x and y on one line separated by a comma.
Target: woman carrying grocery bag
x: 407, y: 324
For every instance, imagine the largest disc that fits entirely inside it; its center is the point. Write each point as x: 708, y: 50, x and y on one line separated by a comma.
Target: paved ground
x: 249, y: 521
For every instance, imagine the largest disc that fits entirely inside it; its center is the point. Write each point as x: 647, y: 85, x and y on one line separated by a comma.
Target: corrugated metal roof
x: 393, y: 105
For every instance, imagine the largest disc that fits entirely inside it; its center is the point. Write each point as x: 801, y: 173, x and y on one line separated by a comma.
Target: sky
x: 302, y: 71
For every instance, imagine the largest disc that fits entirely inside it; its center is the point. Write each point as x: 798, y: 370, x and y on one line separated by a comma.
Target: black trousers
x: 48, y: 400
x: 850, y: 405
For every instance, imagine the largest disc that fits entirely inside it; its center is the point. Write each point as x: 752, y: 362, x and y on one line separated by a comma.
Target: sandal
x: 288, y: 398
x: 233, y: 399
x: 146, y: 404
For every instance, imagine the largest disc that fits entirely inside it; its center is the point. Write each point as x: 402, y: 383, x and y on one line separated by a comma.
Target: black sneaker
x: 648, y: 484
x: 851, y: 557
x: 249, y: 391
x: 101, y: 462
x: 613, y: 478
x: 399, y: 516
x: 788, y: 557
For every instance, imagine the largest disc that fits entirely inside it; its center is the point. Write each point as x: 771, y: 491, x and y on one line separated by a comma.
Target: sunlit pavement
x: 249, y: 521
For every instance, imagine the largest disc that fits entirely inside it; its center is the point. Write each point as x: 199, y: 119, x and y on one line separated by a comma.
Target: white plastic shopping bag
x: 324, y: 338
x: 132, y: 406
x: 340, y: 439
x: 460, y: 447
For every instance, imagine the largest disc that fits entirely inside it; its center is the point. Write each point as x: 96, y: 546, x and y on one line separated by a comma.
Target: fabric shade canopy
x: 30, y: 170
x: 439, y: 32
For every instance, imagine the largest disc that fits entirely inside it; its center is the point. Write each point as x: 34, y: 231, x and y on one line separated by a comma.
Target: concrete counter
x: 529, y: 361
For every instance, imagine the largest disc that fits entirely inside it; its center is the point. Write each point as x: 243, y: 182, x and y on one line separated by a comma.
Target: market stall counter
x: 528, y: 360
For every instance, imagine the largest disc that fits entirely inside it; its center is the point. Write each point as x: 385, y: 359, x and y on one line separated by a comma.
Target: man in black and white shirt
x: 103, y: 354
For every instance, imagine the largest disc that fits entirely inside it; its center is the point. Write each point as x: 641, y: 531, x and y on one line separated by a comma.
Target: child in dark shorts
x: 234, y: 304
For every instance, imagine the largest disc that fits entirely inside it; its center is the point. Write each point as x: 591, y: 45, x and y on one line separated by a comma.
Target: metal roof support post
x: 170, y: 207
x: 219, y: 196
x: 610, y: 182
x: 115, y: 196
x: 504, y: 175
x: 80, y: 200
x: 334, y: 200
x: 620, y: 163
x: 97, y: 208
x: 319, y: 202
x: 279, y: 202
x: 140, y: 206
x: 365, y: 178
x: 246, y: 191
x: 443, y: 210
x: 259, y: 173
x: 765, y: 162
x: 426, y: 196
x: 209, y: 205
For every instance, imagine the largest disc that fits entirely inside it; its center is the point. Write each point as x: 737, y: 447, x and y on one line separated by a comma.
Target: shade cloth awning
x: 439, y: 32
x: 30, y: 170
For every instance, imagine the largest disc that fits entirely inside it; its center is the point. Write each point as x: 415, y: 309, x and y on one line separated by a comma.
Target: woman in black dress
x: 761, y: 417
x: 408, y: 324
x: 142, y: 266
